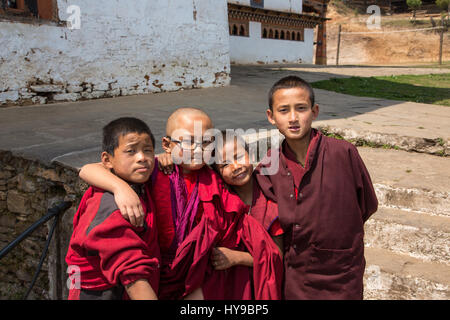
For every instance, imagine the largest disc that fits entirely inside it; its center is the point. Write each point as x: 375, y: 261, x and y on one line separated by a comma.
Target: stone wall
x: 120, y: 49
x: 27, y: 190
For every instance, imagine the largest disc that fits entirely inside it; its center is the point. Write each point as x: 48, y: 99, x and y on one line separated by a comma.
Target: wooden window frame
x: 46, y: 10
x: 239, y: 24
x: 290, y: 33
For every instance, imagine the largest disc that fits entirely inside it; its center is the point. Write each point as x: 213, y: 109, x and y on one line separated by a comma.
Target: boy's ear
x: 166, y: 145
x: 107, y: 160
x: 315, y: 111
x: 269, y: 114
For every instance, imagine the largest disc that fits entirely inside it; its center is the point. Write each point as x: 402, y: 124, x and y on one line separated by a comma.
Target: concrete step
x: 419, y: 235
x: 409, y: 180
x: 391, y: 276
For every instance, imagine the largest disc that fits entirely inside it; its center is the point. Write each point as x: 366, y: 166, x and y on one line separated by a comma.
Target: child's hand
x: 130, y: 206
x: 223, y: 258
x: 165, y: 163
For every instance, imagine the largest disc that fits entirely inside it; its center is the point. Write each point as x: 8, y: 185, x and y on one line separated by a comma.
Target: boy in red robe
x: 196, y: 214
x: 324, y: 195
x: 114, y: 259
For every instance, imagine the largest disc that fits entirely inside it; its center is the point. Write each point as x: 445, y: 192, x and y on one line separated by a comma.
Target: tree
x: 444, y: 5
x: 414, y: 5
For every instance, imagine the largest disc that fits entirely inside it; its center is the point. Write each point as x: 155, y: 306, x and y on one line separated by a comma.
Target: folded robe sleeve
x: 367, y: 198
x: 124, y: 255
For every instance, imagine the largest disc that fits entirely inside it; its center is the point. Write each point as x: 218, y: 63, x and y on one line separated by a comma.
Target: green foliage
x: 443, y: 4
x: 414, y: 4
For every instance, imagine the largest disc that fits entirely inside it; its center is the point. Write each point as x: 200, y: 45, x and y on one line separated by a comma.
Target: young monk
x: 116, y: 259
x: 195, y: 214
x: 236, y: 170
x: 324, y: 195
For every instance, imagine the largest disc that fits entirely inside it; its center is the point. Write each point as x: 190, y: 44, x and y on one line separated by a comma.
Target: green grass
x: 444, y: 65
x: 430, y: 88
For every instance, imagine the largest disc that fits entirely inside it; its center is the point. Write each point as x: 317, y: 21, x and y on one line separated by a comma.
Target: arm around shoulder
x: 96, y: 174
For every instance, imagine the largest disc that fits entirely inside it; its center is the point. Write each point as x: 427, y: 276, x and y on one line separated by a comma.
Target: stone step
x: 391, y: 276
x: 419, y: 235
x: 409, y: 180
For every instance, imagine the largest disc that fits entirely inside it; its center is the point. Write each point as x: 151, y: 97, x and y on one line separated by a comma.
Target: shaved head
x: 183, y: 118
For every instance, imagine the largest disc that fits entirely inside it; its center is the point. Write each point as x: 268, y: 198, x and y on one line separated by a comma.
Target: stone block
x: 7, y: 220
x: 9, y: 96
x: 17, y: 202
x: 48, y: 174
x: 26, y: 183
x: 48, y: 88
x: 5, y: 175
x: 73, y: 88
x: 39, y: 100
x: 66, y: 96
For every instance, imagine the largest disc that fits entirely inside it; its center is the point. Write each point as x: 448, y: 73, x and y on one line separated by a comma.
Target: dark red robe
x: 323, y: 222
x: 223, y: 223
x: 109, y: 252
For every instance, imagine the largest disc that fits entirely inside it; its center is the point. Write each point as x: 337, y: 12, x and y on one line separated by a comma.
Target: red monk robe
x: 109, y: 252
x: 322, y: 209
x: 218, y: 220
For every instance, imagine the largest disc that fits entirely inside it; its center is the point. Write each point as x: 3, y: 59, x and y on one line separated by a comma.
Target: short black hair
x: 120, y: 127
x: 288, y: 83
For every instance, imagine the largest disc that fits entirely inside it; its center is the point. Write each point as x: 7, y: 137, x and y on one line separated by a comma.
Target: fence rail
x: 54, y: 213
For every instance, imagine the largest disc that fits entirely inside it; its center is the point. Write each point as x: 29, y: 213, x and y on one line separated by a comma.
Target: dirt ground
x: 417, y: 47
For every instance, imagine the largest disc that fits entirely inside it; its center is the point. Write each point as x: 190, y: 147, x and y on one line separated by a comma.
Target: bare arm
x: 126, y: 199
x: 223, y: 258
x: 141, y: 290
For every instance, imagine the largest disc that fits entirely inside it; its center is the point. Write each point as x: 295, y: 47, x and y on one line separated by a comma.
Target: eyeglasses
x: 190, y: 144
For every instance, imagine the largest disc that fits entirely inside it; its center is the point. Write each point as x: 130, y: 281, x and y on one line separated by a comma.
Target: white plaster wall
x: 293, y: 6
x: 123, y: 47
x: 254, y: 49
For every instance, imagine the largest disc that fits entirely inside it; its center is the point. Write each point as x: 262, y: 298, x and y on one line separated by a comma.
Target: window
x: 40, y: 9
x: 235, y: 30
x: 242, y: 31
x: 238, y: 28
x: 292, y: 33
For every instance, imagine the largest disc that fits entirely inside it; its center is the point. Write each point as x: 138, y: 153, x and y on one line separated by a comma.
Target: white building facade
x: 270, y: 31
x: 50, y: 52
x: 121, y: 48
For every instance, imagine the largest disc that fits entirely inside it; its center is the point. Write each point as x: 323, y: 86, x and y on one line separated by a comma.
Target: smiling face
x: 133, y: 160
x: 292, y: 113
x: 235, y: 167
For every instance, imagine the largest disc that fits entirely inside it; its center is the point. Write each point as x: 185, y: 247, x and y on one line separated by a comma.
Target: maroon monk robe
x: 224, y: 223
x: 323, y: 224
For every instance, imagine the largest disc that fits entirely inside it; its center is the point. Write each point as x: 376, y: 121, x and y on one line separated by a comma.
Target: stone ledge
x: 400, y: 277
x: 418, y: 235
